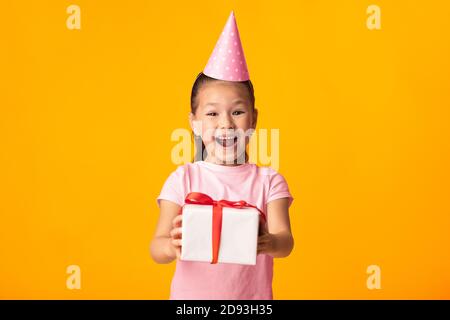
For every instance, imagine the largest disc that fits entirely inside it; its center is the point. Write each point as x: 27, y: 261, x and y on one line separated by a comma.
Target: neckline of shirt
x: 221, y: 168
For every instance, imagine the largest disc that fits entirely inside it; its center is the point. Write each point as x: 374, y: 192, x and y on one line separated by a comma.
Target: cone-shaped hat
x: 227, y: 62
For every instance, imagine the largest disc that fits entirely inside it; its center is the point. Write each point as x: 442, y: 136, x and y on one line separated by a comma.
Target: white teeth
x: 226, y: 141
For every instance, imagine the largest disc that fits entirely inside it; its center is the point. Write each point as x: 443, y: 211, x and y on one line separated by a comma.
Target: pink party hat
x: 227, y: 62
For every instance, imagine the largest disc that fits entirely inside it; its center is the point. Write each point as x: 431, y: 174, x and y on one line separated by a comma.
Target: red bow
x: 203, y: 199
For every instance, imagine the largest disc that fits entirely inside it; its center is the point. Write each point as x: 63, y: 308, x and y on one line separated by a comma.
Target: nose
x: 226, y: 122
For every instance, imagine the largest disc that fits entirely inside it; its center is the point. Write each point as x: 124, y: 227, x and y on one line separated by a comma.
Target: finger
x: 176, y: 233
x: 176, y: 242
x: 262, y: 228
x: 262, y: 243
x: 178, y: 253
x: 262, y: 246
x: 176, y: 222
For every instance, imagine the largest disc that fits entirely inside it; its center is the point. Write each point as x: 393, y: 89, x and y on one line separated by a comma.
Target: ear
x: 191, y: 123
x: 190, y: 120
x: 255, y: 118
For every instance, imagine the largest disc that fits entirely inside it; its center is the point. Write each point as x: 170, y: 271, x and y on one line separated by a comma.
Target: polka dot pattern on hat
x: 227, y: 61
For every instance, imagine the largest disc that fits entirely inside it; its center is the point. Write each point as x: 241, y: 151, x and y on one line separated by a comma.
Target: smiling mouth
x: 226, y: 141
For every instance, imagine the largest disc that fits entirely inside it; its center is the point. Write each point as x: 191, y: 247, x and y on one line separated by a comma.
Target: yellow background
x: 86, y: 117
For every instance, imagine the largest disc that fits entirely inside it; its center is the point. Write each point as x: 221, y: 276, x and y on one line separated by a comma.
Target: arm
x: 276, y: 238
x: 166, y: 243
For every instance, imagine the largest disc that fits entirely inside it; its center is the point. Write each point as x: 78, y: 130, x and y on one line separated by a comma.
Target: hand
x: 175, y: 235
x: 266, y: 240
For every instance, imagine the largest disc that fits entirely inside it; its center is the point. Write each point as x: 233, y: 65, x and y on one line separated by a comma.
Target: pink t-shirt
x: 248, y: 182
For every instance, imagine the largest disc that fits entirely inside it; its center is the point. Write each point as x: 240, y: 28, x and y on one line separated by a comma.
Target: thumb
x: 262, y: 227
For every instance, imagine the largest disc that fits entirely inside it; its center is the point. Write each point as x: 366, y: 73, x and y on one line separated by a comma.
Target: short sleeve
x: 278, y: 188
x: 173, y: 188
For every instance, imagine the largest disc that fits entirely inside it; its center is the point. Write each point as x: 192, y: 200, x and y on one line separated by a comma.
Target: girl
x: 223, y: 103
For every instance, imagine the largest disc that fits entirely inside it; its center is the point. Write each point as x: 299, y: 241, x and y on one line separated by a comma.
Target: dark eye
x: 212, y: 114
x: 238, y: 112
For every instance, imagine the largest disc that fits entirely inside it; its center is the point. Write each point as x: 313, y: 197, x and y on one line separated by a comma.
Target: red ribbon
x: 203, y: 199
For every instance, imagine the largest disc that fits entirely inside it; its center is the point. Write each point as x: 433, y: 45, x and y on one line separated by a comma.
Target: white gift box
x: 238, y: 240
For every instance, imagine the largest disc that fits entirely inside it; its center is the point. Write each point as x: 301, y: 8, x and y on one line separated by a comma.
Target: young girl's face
x: 225, y: 118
